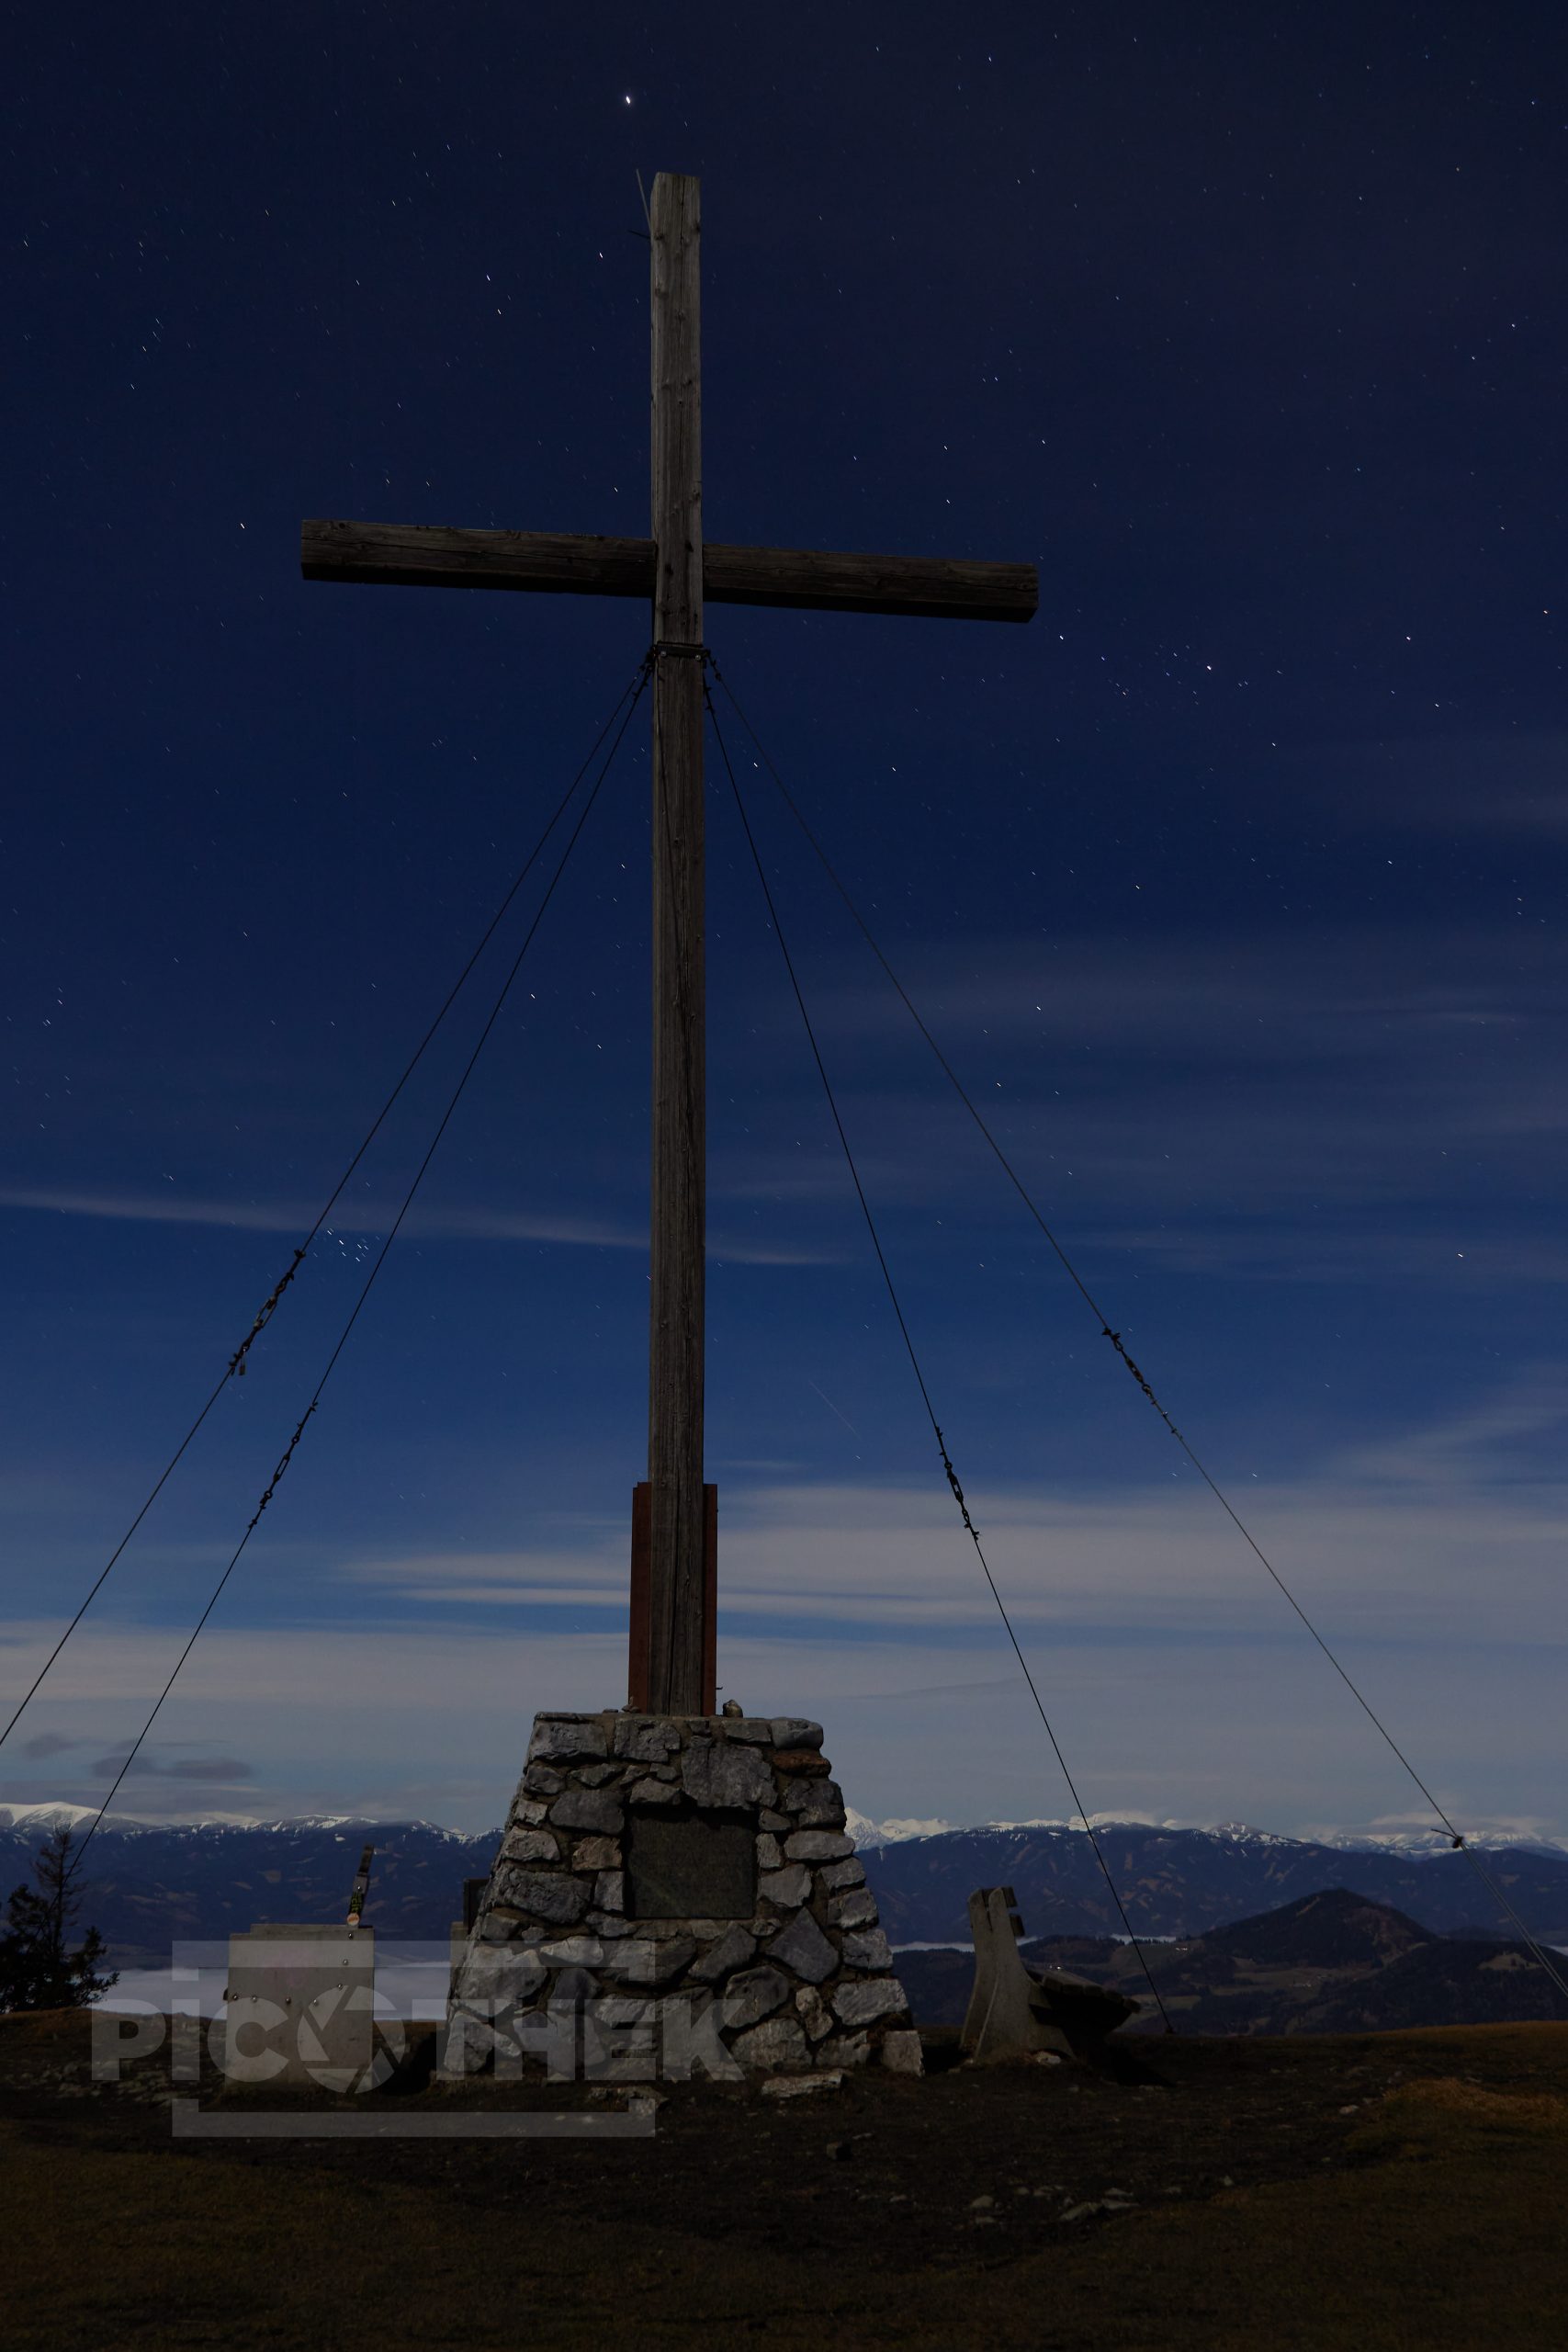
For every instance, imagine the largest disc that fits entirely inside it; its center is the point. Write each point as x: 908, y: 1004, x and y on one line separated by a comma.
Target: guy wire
x: 1459, y: 1843
x: 950, y: 1474
x: 236, y: 1367
x: 379, y: 1261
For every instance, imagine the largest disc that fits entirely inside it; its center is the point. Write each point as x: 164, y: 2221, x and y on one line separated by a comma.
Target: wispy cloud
x: 375, y: 1218
x: 1390, y: 1541
x: 1257, y: 1106
x: 1339, y: 1249
x: 508, y: 1579
x: 1177, y: 1675
x: 216, y: 1772
x: 1488, y: 1445
x: 434, y: 1721
x: 297, y: 1216
x: 1355, y: 1107
x: 1501, y: 785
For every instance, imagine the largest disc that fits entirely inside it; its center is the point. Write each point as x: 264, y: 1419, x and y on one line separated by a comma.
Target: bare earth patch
x: 1398, y: 2191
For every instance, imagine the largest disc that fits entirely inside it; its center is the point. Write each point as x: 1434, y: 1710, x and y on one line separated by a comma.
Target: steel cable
x: 1459, y: 1843
x: 368, y: 1284
x: 236, y: 1367
x: 949, y: 1471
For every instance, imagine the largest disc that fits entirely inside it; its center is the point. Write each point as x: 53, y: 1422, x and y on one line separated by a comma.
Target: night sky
x: 1233, y: 886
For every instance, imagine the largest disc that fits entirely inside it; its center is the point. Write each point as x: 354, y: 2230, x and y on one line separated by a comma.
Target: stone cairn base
x: 676, y: 1895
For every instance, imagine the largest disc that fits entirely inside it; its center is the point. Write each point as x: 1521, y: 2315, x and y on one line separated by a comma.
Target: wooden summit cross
x: 676, y: 571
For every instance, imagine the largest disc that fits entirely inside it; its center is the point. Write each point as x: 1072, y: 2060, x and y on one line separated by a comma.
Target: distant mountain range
x: 1332, y: 1963
x: 147, y: 1885
x: 1413, y: 1842
x: 1184, y: 1881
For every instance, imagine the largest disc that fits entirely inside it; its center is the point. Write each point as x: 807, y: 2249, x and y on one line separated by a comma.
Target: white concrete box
x: 301, y: 2006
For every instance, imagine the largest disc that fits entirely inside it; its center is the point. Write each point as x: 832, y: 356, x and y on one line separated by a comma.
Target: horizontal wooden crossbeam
x: 419, y: 555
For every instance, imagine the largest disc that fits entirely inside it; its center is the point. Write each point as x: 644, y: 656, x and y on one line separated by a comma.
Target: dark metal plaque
x: 690, y: 1866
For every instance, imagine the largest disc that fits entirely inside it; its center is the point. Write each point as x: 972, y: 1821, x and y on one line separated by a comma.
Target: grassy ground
x: 1398, y: 2193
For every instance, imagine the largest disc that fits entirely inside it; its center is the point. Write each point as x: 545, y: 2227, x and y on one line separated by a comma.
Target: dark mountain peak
x: 1332, y: 1928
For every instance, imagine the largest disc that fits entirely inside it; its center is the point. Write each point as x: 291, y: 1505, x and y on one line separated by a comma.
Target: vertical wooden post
x: 678, y: 1235
x: 638, y: 1683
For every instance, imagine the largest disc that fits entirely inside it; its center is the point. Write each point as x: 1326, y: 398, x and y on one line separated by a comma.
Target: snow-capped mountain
x: 868, y: 1834
x: 47, y: 1817
x: 149, y: 1884
x: 1417, y: 1841
x: 1183, y: 1882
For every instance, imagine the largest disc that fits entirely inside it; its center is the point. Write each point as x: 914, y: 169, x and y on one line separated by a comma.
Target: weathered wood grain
x: 419, y: 555
x: 425, y: 555
x: 637, y: 1644
x: 934, y: 587
x: 679, y: 1238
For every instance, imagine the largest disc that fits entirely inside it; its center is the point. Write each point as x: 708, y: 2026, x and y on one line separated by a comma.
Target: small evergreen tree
x: 38, y: 1969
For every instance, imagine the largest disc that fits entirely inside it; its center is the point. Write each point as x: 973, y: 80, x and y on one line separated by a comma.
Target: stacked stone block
x: 803, y: 1982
